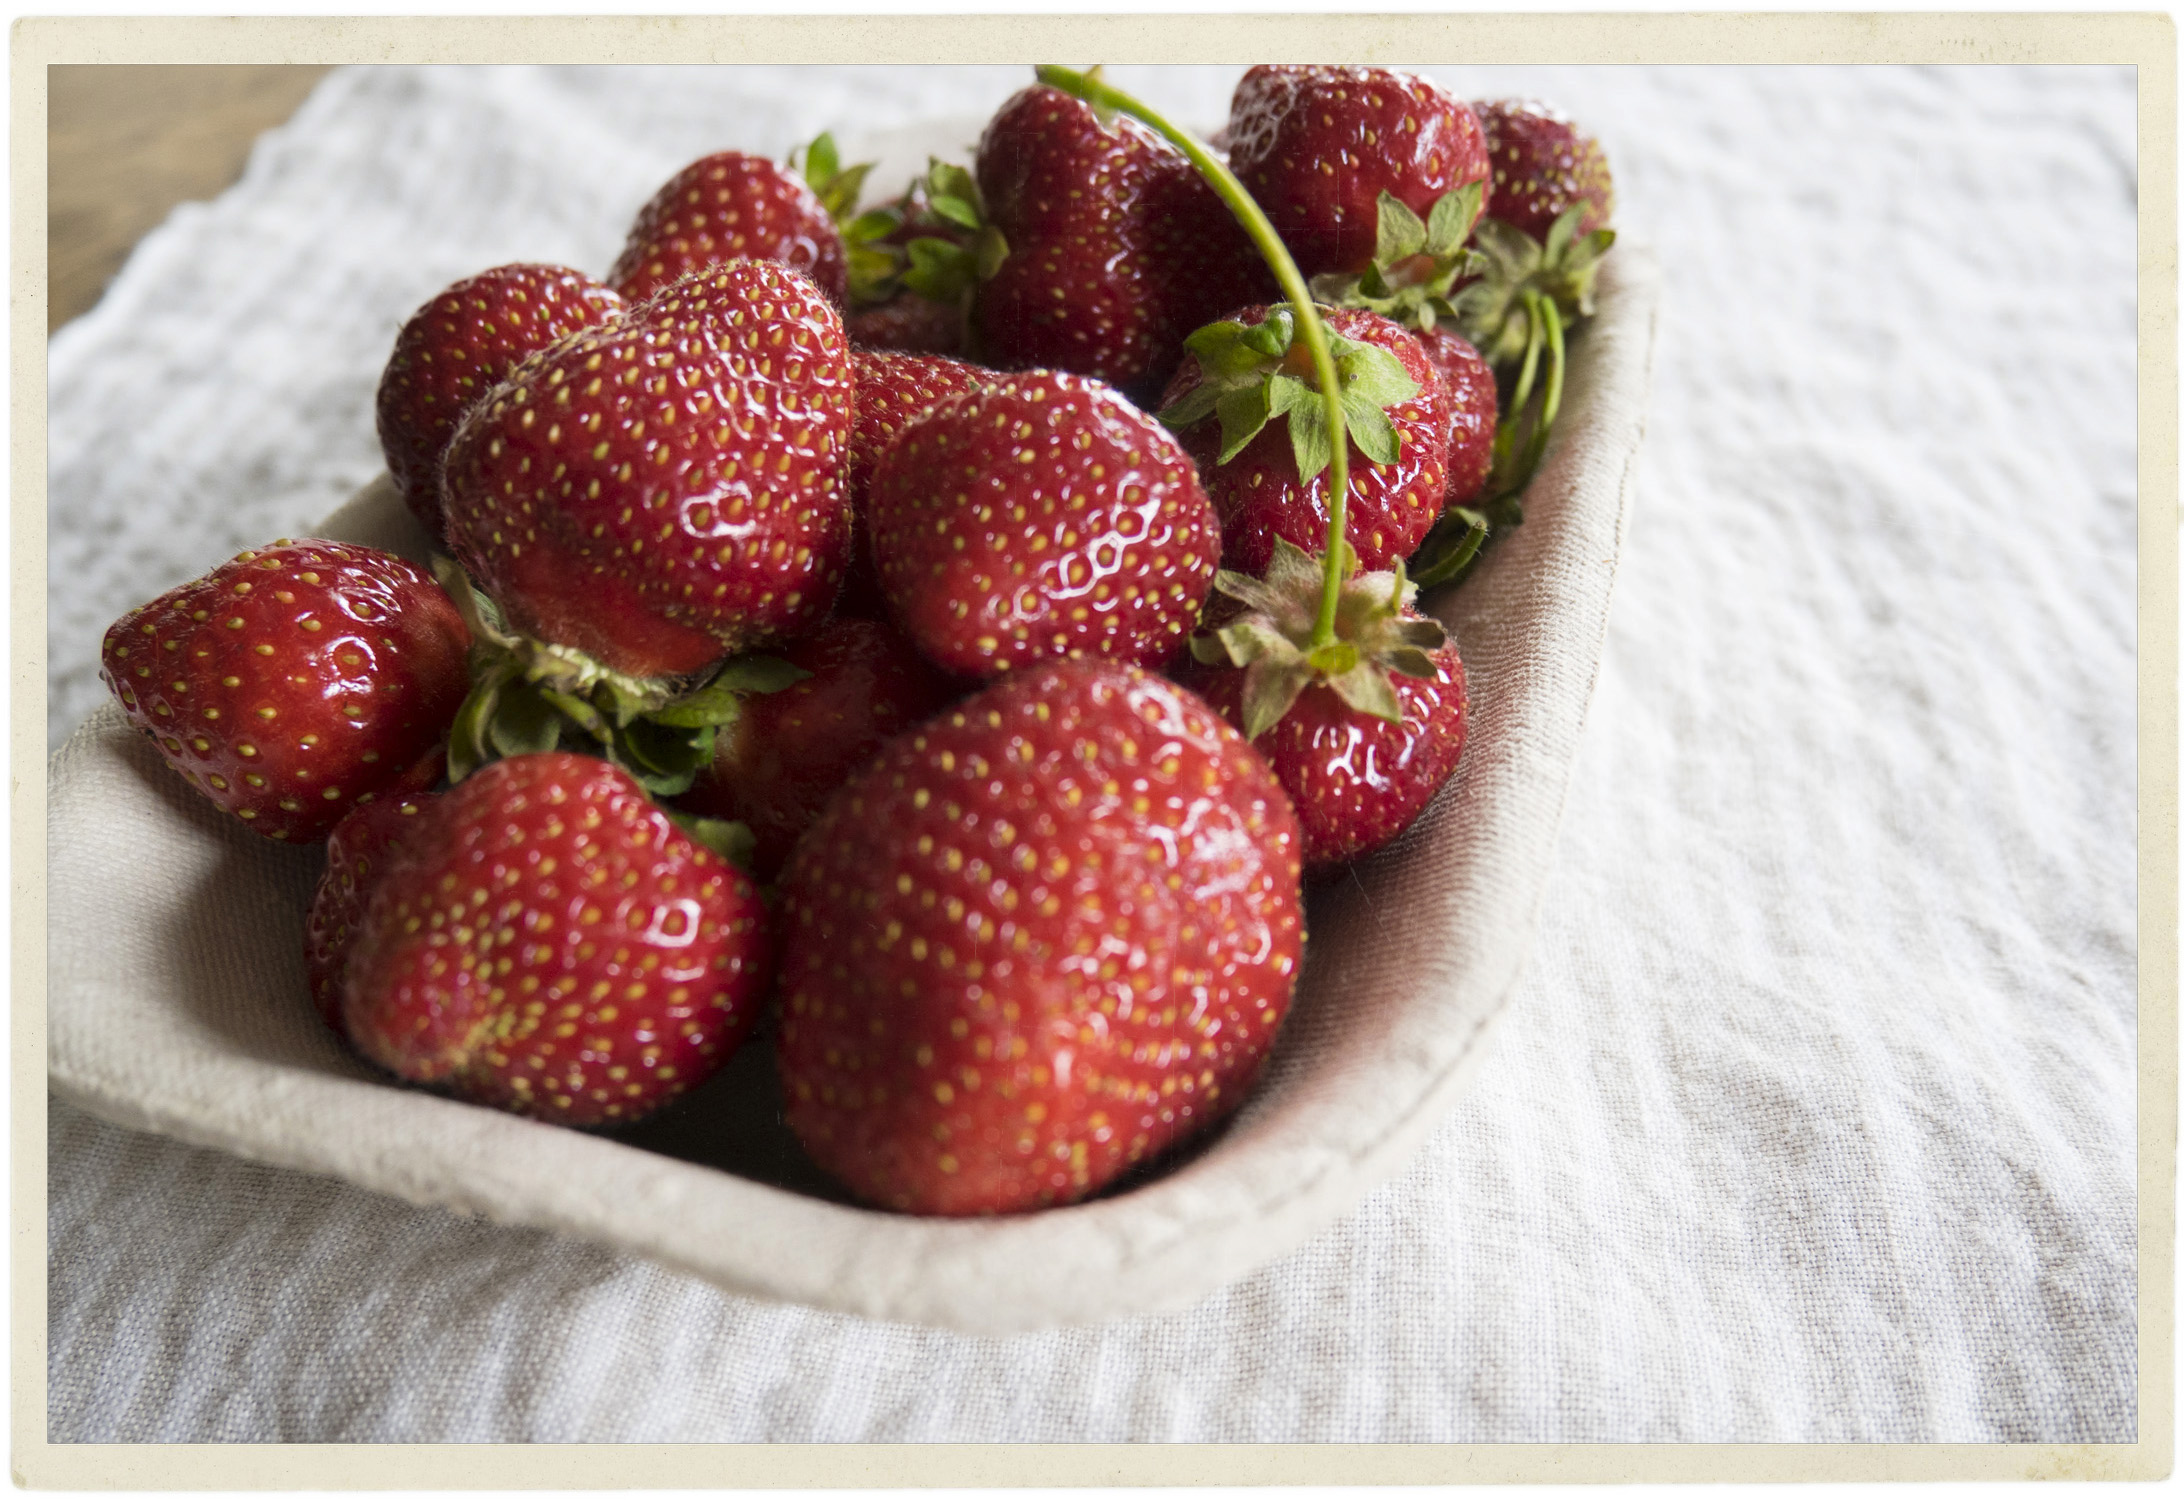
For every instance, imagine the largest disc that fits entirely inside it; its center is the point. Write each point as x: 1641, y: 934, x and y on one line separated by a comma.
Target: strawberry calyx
x: 1417, y: 263
x: 935, y: 243
x: 1500, y: 312
x: 838, y: 188
x: 1517, y: 315
x: 1252, y: 374
x: 1275, y: 640
x: 530, y: 696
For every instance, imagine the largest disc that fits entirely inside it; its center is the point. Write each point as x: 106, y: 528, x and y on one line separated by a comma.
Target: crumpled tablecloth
x: 1814, y: 1117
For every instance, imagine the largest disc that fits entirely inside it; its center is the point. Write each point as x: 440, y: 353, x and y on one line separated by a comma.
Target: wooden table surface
x: 126, y: 144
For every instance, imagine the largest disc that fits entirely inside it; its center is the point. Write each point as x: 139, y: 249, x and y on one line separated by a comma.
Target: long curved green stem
x: 1233, y: 193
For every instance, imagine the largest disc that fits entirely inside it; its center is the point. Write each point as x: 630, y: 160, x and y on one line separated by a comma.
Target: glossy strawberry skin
x: 1356, y: 781
x: 730, y: 206
x: 1544, y: 164
x: 1317, y: 145
x: 460, y: 345
x: 785, y: 753
x: 1391, y: 507
x: 544, y: 940
x: 670, y: 488
x: 293, y: 682
x: 1473, y: 409
x: 1117, y: 248
x: 893, y: 390
x: 1043, y: 516
x: 356, y: 854
x: 1041, y: 938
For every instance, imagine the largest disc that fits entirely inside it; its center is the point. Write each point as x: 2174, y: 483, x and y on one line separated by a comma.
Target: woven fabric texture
x: 1812, y: 1118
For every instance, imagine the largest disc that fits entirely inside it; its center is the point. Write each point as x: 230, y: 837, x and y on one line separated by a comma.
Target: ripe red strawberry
x: 356, y: 854
x: 292, y: 683
x: 546, y: 940
x: 1361, y: 733
x: 459, y: 346
x: 1041, y: 938
x: 1356, y: 780
x: 1116, y: 248
x: 775, y: 764
x: 892, y: 390
x: 1317, y: 145
x: 1043, y: 516
x: 1473, y: 408
x: 730, y: 206
x: 1268, y: 478
x: 1544, y: 165
x: 672, y: 487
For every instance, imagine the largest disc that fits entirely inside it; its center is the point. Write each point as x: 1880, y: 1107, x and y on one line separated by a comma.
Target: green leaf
x: 666, y: 760
x: 1194, y: 407
x: 1410, y: 661
x: 1453, y: 216
x: 947, y: 180
x: 1365, y: 687
x: 1272, y: 338
x: 988, y: 251
x: 1560, y: 233
x: 1270, y: 687
x: 940, y: 270
x: 524, y: 723
x: 1249, y: 640
x: 1374, y: 435
x: 957, y: 211
x: 1399, y: 234
x: 820, y: 163
x: 1374, y: 375
x: 468, y: 745
x: 872, y: 224
x: 1244, y: 414
x: 1309, y: 443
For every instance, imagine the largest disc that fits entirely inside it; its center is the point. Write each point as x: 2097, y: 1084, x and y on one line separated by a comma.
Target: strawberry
x: 730, y: 206
x: 664, y: 490
x: 1544, y: 165
x: 1042, y: 516
x: 1268, y: 478
x: 1360, y: 736
x: 1318, y: 145
x: 1116, y: 248
x: 1040, y: 939
x: 356, y: 852
x: 1472, y: 410
x: 292, y: 683
x: 545, y: 940
x: 892, y: 390
x: 459, y: 346
x: 1551, y: 202
x: 775, y: 763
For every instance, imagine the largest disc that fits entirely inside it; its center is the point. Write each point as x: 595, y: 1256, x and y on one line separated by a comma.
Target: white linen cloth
x: 1813, y: 1118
